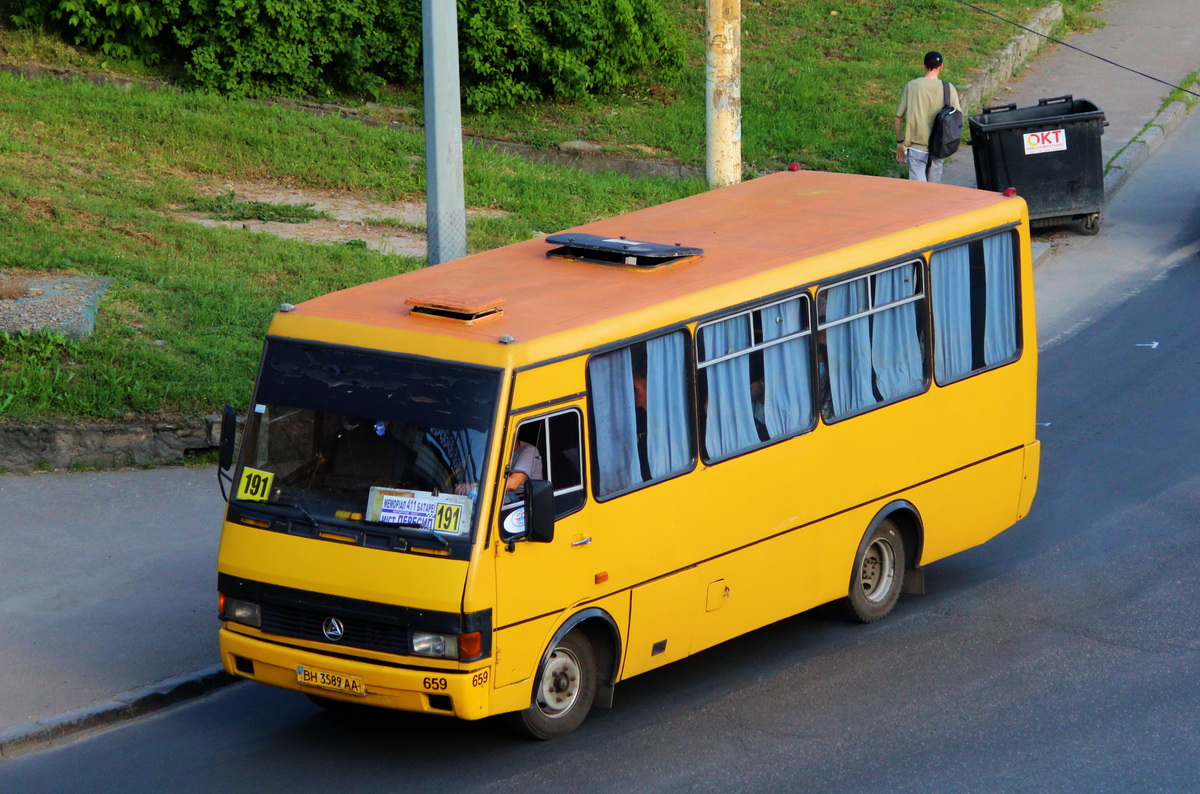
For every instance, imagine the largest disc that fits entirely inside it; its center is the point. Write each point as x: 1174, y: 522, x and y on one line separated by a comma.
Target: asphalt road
x: 1063, y: 655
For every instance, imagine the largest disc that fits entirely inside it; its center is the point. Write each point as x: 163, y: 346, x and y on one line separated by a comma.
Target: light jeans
x: 922, y: 167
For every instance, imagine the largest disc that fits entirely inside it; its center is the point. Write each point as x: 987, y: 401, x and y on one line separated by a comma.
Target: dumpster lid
x: 1051, y: 112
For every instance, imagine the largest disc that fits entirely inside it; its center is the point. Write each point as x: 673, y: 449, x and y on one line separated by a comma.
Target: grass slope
x: 89, y: 174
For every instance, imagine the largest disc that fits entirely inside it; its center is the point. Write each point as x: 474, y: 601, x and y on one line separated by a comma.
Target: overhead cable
x: 1077, y: 49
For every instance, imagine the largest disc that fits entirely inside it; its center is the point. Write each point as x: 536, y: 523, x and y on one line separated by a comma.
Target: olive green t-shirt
x: 919, y: 103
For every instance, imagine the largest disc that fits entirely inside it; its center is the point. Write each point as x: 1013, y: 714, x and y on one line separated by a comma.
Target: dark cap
x: 933, y: 60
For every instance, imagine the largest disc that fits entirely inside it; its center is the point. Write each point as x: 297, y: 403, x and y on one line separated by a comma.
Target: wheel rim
x: 878, y: 571
x: 559, y: 687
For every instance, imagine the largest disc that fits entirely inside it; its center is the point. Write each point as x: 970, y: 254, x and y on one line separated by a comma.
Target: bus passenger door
x: 540, y: 579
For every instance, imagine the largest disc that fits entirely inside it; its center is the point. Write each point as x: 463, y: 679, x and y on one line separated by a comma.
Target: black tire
x: 564, y: 691
x: 1090, y: 224
x: 877, y: 576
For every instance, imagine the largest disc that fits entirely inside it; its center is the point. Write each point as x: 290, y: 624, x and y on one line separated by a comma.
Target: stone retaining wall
x: 105, y: 444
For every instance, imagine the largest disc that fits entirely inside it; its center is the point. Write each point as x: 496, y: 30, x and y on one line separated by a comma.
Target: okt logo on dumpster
x: 1048, y: 141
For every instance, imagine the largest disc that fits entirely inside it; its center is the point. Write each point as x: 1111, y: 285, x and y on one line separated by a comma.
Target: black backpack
x: 947, y: 128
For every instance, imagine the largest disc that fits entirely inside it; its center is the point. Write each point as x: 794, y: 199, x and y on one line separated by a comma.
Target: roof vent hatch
x: 617, y: 250
x: 469, y: 309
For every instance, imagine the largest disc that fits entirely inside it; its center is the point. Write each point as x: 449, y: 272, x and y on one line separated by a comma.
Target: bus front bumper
x: 459, y: 693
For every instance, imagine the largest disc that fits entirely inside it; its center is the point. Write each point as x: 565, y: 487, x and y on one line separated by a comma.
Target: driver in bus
x: 526, y: 464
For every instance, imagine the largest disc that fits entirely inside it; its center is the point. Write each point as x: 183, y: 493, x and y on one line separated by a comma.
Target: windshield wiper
x: 429, y: 533
x: 425, y: 533
x: 301, y: 508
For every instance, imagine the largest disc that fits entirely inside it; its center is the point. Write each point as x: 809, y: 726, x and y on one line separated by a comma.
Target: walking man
x: 919, y: 104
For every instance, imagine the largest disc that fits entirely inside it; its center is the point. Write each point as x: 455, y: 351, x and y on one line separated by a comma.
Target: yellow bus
x: 506, y: 483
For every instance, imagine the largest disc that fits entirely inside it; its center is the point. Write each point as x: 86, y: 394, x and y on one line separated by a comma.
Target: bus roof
x: 744, y: 230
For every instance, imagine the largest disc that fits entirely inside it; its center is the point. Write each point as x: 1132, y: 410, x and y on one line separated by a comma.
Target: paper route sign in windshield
x: 446, y: 513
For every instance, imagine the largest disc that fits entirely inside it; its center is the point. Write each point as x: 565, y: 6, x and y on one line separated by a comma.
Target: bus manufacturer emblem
x: 333, y: 629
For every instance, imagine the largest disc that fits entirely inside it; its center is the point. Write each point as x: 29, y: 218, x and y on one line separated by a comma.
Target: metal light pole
x: 445, y: 207
x: 723, y: 92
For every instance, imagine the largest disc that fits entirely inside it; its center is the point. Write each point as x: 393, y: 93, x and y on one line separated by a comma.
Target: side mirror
x: 228, y: 437
x: 539, y: 511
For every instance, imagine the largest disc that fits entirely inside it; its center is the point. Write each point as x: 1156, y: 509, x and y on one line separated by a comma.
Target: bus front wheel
x: 878, y: 575
x: 564, y: 691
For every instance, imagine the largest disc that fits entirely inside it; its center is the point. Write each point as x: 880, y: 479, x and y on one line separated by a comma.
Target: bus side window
x: 755, y: 378
x: 564, y: 456
x: 873, y: 331
x: 559, y: 441
x: 641, y: 413
x: 973, y: 287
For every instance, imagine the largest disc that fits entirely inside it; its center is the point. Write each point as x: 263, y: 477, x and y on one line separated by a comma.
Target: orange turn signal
x: 470, y: 646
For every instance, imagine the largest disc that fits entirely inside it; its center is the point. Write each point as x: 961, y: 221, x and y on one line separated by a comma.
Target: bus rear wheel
x: 878, y: 575
x: 564, y: 691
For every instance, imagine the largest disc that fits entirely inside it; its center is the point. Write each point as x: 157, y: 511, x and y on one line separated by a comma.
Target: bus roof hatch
x: 617, y: 250
x: 465, y: 308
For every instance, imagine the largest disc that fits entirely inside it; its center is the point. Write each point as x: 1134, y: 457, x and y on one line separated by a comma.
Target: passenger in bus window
x: 639, y: 416
x: 758, y: 405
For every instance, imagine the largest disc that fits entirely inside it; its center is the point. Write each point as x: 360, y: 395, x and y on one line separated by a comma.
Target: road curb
x: 1041, y: 251
x: 1145, y: 143
x: 25, y: 739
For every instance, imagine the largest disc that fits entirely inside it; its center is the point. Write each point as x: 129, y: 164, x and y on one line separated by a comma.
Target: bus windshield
x: 340, y: 435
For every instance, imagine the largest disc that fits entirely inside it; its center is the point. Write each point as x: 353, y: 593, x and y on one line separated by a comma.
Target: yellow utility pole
x: 723, y: 92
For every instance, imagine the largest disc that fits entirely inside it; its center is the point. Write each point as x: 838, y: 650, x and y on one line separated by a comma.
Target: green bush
x: 511, y: 51
x: 316, y: 47
x: 515, y: 51
x: 127, y: 29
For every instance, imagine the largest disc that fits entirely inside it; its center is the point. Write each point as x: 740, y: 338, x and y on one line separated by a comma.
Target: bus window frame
x: 921, y: 262
x: 689, y: 365
x: 548, y: 466
x: 814, y: 385
x: 1018, y: 292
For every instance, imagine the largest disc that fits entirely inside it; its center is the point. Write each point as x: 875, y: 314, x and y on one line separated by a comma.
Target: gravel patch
x: 32, y: 302
x: 395, y: 228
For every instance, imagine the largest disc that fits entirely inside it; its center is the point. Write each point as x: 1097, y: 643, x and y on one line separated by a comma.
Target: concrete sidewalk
x: 107, y: 580
x: 107, y: 597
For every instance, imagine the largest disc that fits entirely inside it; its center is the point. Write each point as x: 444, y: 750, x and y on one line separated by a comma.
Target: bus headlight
x: 442, y: 646
x: 240, y: 611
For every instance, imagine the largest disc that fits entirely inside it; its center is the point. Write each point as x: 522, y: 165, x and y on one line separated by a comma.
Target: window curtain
x: 729, y: 416
x: 848, y: 347
x: 667, y: 442
x: 616, y: 426
x: 895, y: 347
x: 1000, y: 321
x: 787, y: 393
x: 950, y: 273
